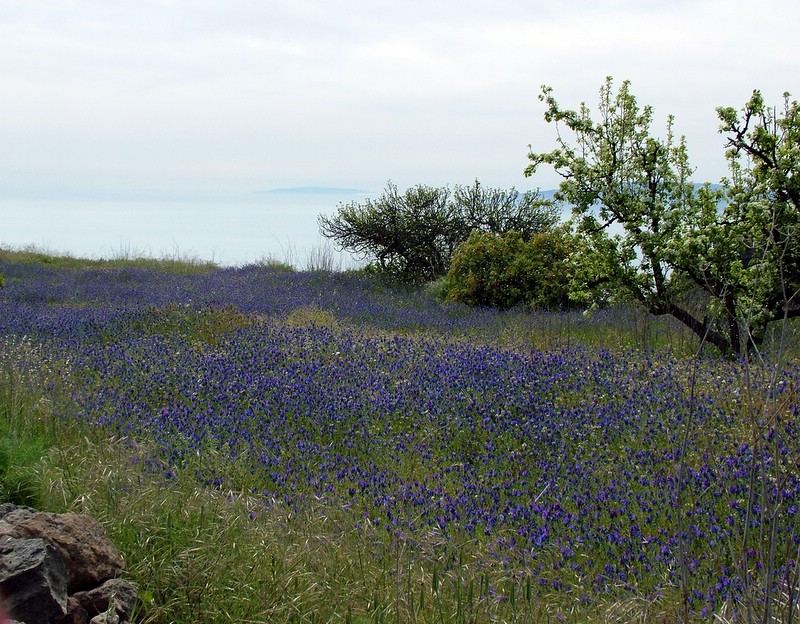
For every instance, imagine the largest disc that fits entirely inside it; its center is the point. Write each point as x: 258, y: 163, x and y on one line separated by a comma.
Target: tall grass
x: 175, y: 263
x: 201, y: 555
x: 27, y: 427
x: 319, y: 258
x: 22, y: 446
x: 772, y: 592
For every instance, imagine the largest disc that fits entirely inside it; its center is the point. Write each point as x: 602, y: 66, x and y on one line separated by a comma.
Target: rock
x: 90, y: 557
x: 7, y: 508
x: 109, y: 617
x: 43, y: 556
x: 33, y: 580
x: 116, y: 595
x: 76, y: 614
x: 6, y: 529
x: 13, y: 515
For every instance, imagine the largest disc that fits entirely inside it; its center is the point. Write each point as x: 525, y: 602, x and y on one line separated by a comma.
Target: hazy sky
x: 247, y: 95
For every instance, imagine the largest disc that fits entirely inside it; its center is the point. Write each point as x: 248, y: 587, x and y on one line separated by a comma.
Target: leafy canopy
x: 505, y: 270
x: 412, y: 235
x: 647, y: 233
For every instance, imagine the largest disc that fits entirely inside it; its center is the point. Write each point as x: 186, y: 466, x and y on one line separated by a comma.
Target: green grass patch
x: 311, y: 315
x: 18, y: 457
x: 275, y: 265
x: 201, y: 328
x: 24, y: 440
x: 171, y: 264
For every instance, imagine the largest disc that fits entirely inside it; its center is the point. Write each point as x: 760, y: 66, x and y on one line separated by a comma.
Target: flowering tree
x: 647, y: 233
x: 763, y: 212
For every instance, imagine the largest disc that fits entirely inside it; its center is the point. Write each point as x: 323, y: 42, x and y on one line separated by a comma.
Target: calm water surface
x: 229, y: 232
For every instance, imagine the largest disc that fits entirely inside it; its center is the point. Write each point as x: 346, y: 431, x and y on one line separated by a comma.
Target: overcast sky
x: 248, y: 95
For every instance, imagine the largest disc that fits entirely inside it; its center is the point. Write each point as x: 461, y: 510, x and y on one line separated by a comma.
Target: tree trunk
x: 702, y: 330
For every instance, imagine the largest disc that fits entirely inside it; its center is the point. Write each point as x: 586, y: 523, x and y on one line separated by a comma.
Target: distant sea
x: 229, y: 230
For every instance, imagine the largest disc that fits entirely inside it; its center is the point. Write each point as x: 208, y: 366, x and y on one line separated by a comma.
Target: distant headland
x: 312, y: 190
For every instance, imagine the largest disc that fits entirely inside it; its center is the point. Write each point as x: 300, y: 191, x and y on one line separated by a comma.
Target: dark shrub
x: 505, y: 270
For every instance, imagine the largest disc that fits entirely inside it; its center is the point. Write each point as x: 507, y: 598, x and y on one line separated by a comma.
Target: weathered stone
x: 90, y: 557
x: 13, y: 514
x: 7, y: 508
x: 33, y: 580
x: 76, y: 614
x: 109, y: 617
x: 115, y: 593
x: 6, y: 529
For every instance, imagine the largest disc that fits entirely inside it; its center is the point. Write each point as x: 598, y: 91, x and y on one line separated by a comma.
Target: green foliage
x: 22, y: 443
x: 278, y: 266
x: 311, y: 315
x: 18, y: 454
x: 762, y: 218
x: 437, y: 289
x: 648, y: 234
x: 202, y: 327
x: 505, y: 270
x: 412, y: 235
x: 181, y: 265
x: 616, y: 173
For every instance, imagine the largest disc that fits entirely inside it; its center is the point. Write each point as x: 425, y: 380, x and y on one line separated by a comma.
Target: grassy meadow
x: 270, y: 445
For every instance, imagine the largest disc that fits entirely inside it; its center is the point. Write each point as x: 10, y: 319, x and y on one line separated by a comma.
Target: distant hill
x: 313, y: 190
x: 340, y: 190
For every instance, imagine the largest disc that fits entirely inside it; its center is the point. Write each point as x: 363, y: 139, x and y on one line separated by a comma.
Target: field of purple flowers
x: 584, y: 471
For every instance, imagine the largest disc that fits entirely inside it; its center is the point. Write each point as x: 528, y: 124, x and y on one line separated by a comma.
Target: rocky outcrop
x: 60, y: 568
x: 115, y: 595
x: 33, y: 580
x: 91, y: 559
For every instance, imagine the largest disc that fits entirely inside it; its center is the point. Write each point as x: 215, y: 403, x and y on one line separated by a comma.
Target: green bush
x: 410, y: 236
x: 22, y: 444
x: 505, y: 270
x: 17, y: 457
x: 437, y: 289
